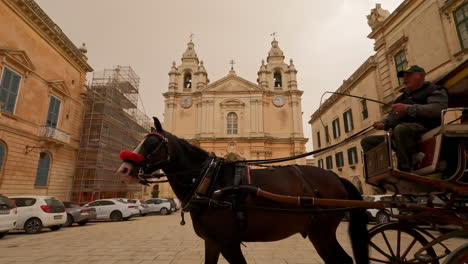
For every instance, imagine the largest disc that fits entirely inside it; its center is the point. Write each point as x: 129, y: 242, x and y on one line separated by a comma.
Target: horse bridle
x: 148, y: 167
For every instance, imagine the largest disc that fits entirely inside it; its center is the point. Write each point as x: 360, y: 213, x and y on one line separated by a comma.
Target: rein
x: 266, y: 161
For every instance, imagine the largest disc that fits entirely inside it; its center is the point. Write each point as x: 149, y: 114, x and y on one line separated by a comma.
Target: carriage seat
x: 427, y: 157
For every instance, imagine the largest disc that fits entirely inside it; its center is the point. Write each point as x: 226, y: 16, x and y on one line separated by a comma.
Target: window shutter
x: 42, y: 170
x: 346, y: 124
x: 2, y: 155
x: 53, y: 112
x: 9, y: 89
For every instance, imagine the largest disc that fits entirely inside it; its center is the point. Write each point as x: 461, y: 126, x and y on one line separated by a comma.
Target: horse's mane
x: 184, y: 145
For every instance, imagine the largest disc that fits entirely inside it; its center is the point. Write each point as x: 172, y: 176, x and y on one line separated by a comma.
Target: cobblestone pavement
x: 149, y: 239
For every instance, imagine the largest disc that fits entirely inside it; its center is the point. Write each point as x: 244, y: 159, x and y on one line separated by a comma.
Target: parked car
x: 8, y: 215
x: 174, y: 205
x: 131, y: 205
x: 381, y: 215
x: 159, y: 205
x: 37, y: 212
x: 79, y: 215
x: 178, y: 203
x: 111, y: 209
x: 142, y: 206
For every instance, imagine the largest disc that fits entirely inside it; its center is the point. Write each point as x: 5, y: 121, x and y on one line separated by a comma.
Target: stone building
x: 429, y: 33
x: 43, y: 76
x: 233, y: 117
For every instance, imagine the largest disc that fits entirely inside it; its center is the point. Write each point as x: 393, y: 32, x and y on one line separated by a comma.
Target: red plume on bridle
x: 131, y: 156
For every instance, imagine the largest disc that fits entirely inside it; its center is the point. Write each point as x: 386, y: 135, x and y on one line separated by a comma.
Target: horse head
x: 150, y: 155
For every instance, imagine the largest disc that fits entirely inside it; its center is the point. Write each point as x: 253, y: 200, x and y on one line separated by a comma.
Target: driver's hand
x: 379, y: 125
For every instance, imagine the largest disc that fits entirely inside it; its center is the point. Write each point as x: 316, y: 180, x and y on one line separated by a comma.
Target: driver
x: 414, y: 112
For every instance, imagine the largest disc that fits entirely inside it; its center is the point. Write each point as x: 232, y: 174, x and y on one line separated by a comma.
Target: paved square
x: 151, y: 239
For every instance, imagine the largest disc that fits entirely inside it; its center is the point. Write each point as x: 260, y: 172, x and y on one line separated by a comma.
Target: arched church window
x: 277, y: 80
x: 232, y: 123
x: 187, y: 81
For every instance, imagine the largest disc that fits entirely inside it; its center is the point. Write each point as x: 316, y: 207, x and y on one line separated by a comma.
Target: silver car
x: 79, y: 215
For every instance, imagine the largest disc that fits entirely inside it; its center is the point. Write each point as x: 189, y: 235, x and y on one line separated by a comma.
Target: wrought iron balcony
x: 54, y: 134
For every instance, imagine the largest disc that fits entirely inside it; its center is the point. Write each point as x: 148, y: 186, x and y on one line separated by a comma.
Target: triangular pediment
x: 232, y: 83
x: 19, y: 57
x: 59, y: 86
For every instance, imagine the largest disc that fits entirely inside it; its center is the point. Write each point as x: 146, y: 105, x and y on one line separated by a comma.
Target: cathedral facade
x: 235, y: 118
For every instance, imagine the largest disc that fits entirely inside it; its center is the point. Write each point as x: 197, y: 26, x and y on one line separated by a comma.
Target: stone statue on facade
x: 377, y: 16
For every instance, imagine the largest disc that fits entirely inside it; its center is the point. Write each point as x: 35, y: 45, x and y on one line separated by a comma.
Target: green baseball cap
x: 412, y: 68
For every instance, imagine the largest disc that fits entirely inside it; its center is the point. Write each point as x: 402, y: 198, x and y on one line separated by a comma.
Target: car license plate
x: 57, y: 217
x: 4, y: 211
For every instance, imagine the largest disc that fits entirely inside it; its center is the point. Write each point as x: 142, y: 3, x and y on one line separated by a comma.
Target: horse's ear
x: 153, y: 129
x: 157, y: 124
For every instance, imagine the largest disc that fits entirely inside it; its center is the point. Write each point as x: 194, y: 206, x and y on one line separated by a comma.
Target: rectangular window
x: 53, y: 113
x: 319, y: 143
x: 336, y: 128
x: 327, y: 135
x: 348, y: 121
x: 339, y: 159
x: 352, y: 156
x: 329, y: 161
x: 9, y: 90
x: 400, y: 62
x: 320, y: 163
x: 461, y: 22
x: 364, y: 112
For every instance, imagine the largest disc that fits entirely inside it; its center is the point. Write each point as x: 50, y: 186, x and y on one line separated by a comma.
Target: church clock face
x: 186, y: 101
x: 279, y: 100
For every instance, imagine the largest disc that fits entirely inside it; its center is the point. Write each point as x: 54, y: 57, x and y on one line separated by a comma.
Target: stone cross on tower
x: 274, y: 35
x: 191, y: 36
x: 232, y: 62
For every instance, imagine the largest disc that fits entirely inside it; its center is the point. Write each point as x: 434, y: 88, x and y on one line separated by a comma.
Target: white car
x: 112, y: 209
x: 131, y: 205
x: 142, y: 207
x: 162, y: 206
x: 8, y: 215
x: 381, y: 215
x: 37, y: 212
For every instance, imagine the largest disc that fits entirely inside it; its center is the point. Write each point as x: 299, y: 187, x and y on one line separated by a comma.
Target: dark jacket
x: 425, y: 106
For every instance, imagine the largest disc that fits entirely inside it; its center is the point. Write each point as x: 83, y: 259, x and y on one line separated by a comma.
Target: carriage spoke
x: 379, y: 250
x: 379, y: 260
x: 398, y: 243
x: 409, y: 248
x: 388, y: 244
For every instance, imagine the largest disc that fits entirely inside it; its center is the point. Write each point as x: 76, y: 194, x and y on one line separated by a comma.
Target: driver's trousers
x: 405, y: 138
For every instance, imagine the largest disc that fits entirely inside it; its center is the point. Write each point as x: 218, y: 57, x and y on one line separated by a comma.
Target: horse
x: 220, y: 229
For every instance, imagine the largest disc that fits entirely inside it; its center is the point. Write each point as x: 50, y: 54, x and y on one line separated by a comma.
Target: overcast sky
x: 327, y: 39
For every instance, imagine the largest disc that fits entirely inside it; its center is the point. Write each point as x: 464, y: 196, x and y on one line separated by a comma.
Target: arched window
x: 2, y: 155
x: 42, y: 173
x: 232, y: 123
x: 187, y: 81
x: 277, y: 80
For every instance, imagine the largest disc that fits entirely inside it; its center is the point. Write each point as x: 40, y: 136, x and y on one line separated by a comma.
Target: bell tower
x: 190, y: 75
x: 276, y: 75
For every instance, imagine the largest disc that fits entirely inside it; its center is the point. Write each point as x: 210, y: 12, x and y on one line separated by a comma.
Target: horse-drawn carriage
x: 311, y: 201
x: 441, y: 171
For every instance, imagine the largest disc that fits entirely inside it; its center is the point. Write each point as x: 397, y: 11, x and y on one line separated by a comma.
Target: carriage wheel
x: 458, y: 256
x: 397, y: 244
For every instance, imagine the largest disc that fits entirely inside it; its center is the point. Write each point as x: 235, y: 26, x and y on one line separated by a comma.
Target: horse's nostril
x: 125, y: 170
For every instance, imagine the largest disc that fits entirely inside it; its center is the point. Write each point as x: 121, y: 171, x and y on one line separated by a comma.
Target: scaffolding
x: 112, y: 122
